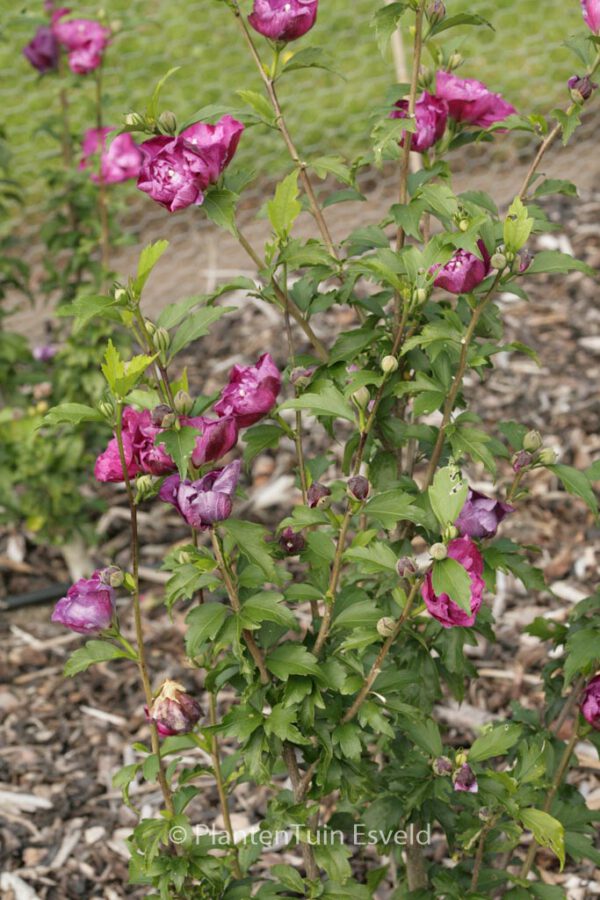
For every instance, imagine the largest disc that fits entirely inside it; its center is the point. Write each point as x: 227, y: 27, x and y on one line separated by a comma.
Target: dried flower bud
x: 386, y: 626
x: 548, y: 457
x: 183, y: 403
x: 581, y: 88
x: 318, y: 495
x: 525, y: 258
x: 359, y: 487
x: 389, y: 365
x: 532, y: 441
x: 167, y: 123
x: 521, y: 460
x: 406, y: 566
x: 113, y: 576
x: 173, y: 711
x: 438, y: 552
x: 292, y: 541
x: 442, y: 766
x: 498, y: 261
x: 159, y: 413
x: 361, y: 397
x: 464, y: 780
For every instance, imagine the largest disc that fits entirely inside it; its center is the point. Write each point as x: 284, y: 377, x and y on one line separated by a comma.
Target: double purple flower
x: 481, y: 515
x: 590, y: 703
x: 464, y: 272
x: 251, y: 393
x: 84, y: 40
x: 88, y: 607
x: 469, y: 101
x: 121, y: 160
x: 431, y: 116
x: 43, y: 50
x: 283, y: 20
x: 441, y: 606
x: 205, y: 501
x: 177, y: 170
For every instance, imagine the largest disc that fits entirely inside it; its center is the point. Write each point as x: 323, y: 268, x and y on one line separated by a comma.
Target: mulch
x: 63, y: 826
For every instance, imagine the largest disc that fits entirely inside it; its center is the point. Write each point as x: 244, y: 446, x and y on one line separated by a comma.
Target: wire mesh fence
x: 329, y: 112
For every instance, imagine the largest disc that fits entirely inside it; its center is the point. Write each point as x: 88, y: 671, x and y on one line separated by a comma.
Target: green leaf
x: 204, y: 623
x: 152, y: 108
x: 149, y: 256
x: 392, y: 507
x: 496, y: 742
x: 89, y: 307
x: 450, y: 578
x: 377, y: 557
x: 250, y: 539
x: 576, y: 483
x: 284, y: 208
x: 425, y: 734
x: 447, y: 495
x: 280, y: 722
x: 363, y: 614
x: 309, y: 58
x: 179, y: 444
x: 268, y: 606
x: 291, y: 659
x: 333, y: 165
x: 547, y: 831
x: 123, y: 376
x: 71, y: 414
x: 517, y: 226
x: 553, y: 261
x: 175, y: 313
x: 196, y: 326
x: 556, y: 186
x: 260, y: 105
x: 93, y: 652
x: 386, y: 22
x: 455, y: 21
x: 289, y: 877
x: 220, y: 207
x: 260, y: 438
x: 327, y: 402
x: 347, y: 737
x: 583, y: 652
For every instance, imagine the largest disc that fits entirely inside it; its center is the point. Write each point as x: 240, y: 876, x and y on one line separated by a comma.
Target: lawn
x: 202, y: 38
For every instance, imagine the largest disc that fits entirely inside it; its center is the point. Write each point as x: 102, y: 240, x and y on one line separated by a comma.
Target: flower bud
x: 438, y: 552
x: 300, y: 377
x: 135, y: 120
x: 450, y: 533
x: 521, y: 460
x: 120, y: 294
x: 318, y: 495
x: 167, y: 123
x: 292, y: 541
x: 581, y: 89
x: 150, y: 326
x: 442, y: 766
x: 532, y: 441
x: 359, y: 487
x: 160, y: 413
x: 113, y: 576
x: 406, y: 566
x: 107, y: 409
x: 361, y: 397
x: 548, y: 457
x: 525, y: 258
x: 464, y: 780
x: 436, y: 11
x: 420, y: 295
x: 498, y: 261
x: 144, y: 487
x: 463, y: 225
x: 455, y: 61
x: 161, y: 340
x: 173, y: 711
x: 485, y: 814
x: 386, y: 626
x: 389, y: 365
x: 183, y: 403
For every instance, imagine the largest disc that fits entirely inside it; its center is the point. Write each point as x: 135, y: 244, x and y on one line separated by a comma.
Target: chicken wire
x: 328, y: 112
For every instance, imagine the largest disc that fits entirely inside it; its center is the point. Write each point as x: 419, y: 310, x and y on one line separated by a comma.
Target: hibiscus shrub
x: 333, y: 639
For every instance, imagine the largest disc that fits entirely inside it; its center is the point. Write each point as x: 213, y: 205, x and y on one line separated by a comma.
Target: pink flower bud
x: 464, y: 272
x: 359, y: 487
x: 283, y: 20
x: 317, y: 495
x: 406, y: 566
x: 581, y: 88
x: 591, y: 14
x: 521, y: 460
x: 590, y: 703
x: 217, y: 437
x: 442, y: 766
x: 464, y: 780
x: 173, y: 711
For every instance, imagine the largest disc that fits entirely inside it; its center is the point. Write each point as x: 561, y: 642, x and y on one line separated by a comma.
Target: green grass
x: 327, y: 113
